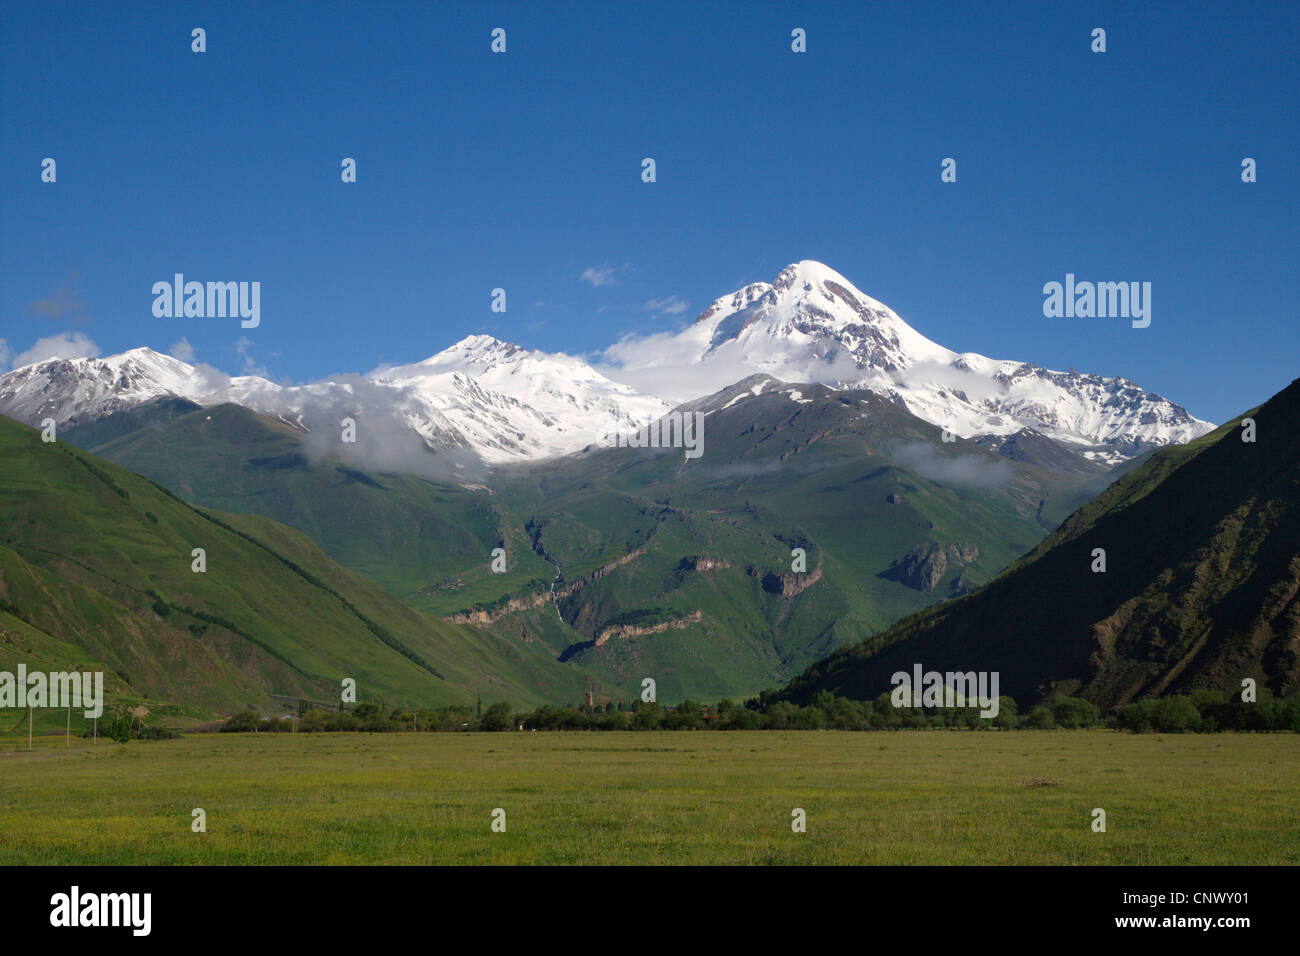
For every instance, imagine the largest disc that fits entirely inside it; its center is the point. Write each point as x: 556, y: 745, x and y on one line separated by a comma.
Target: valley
x: 825, y: 511
x: 612, y: 536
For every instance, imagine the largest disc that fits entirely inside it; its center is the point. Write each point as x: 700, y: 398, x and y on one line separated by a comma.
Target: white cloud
x: 183, y: 350
x: 962, y: 470
x: 598, y: 276
x: 671, y: 366
x: 673, y: 305
x: 245, y: 349
x: 213, y: 381
x: 4, y: 354
x: 975, y: 386
x: 63, y: 345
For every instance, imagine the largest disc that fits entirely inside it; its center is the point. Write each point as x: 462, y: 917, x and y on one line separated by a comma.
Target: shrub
x: 155, y: 733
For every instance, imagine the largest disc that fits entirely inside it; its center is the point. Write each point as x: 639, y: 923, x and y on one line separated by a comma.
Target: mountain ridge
x: 486, y: 402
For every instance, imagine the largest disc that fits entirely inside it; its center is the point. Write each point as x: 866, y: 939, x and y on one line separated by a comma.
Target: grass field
x: 712, y: 797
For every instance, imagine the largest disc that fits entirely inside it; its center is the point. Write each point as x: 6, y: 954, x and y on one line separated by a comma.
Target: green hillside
x: 96, y: 572
x: 411, y: 535
x: 644, y: 537
x: 680, y: 570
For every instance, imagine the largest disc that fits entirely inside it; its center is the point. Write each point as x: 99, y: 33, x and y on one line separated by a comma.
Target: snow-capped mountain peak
x: 82, y: 389
x: 810, y: 305
x: 510, y: 402
x: 474, y: 351
x: 811, y: 324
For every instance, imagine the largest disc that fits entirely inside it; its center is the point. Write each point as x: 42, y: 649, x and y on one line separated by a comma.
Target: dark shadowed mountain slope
x: 1202, y: 549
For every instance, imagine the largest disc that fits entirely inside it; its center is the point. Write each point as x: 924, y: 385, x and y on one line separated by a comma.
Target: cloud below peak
x: 183, y: 350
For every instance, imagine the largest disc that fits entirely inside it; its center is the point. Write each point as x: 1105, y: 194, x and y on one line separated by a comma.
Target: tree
x: 1040, y: 718
x: 1006, y: 718
x: 647, y: 716
x: 372, y: 717
x: 1214, y: 710
x: 614, y: 720
x: 823, y: 700
x: 1173, y: 715
x: 1135, y: 717
x: 1072, y: 712
x: 313, y: 720
x: 245, y: 722
x: 685, y: 716
x: 779, y: 716
x: 1264, y: 714
x: 497, y: 717
x: 809, y: 718
x: 1290, y: 716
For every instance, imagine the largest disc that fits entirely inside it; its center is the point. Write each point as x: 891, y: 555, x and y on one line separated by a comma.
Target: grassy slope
x: 95, y: 569
x: 407, y: 533
x: 776, y: 474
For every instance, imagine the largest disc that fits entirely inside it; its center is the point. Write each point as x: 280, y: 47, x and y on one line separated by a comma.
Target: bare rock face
x: 625, y: 631
x: 786, y: 584
x: 482, y: 618
x: 925, y: 565
x: 703, y: 562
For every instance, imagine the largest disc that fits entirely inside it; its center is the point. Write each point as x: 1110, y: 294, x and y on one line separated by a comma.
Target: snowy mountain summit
x: 84, y: 389
x: 498, y: 400
x: 510, y: 403
x: 506, y: 403
x: 810, y: 324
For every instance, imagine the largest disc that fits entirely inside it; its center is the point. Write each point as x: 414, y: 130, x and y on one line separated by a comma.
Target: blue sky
x: 522, y: 171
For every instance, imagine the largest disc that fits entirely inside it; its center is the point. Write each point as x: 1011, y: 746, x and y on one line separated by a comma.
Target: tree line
x: 1203, y: 711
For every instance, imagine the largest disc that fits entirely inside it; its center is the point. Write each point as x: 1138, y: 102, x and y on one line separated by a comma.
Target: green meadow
x: 926, y: 797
